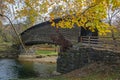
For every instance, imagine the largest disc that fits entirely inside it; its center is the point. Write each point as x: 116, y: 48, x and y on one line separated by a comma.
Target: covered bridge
x: 41, y: 33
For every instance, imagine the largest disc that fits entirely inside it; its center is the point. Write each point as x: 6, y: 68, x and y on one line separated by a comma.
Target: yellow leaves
x: 98, y: 1
x: 24, y: 12
x: 69, y: 24
x: 53, y: 24
x: 44, y: 6
x: 104, y: 29
x: 62, y: 24
x: 32, y: 19
x: 107, y: 31
x: 78, y: 24
x: 83, y: 20
x: 52, y: 16
x: 72, y: 10
x: 29, y: 10
x: 10, y: 1
x: 94, y: 15
x: 116, y: 4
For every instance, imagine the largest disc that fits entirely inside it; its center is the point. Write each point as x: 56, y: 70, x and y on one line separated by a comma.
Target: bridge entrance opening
x: 42, y: 50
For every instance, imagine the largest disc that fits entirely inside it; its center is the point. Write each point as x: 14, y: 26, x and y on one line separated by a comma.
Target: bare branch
x: 115, y: 13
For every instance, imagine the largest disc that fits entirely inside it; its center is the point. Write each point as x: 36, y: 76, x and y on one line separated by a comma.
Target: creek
x: 15, y: 69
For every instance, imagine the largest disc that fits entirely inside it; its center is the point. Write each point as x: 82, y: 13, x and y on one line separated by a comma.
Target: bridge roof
x: 41, y: 25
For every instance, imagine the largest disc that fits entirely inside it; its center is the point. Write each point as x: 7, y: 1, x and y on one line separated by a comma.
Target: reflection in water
x: 38, y: 69
x: 13, y: 69
x: 27, y: 70
x: 8, y: 69
x: 44, y: 70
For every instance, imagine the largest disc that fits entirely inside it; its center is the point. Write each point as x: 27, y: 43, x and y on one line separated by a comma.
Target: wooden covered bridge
x: 41, y: 33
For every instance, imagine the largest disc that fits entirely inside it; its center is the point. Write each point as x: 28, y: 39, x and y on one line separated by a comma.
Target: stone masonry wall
x: 74, y: 59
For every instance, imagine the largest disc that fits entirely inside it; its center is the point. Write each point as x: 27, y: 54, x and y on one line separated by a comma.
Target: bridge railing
x: 107, y: 43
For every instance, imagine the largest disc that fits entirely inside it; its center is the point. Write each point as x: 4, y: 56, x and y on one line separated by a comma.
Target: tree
x: 2, y: 14
x: 3, y: 7
x: 116, y: 23
x: 30, y: 10
x: 112, y: 13
x: 86, y: 13
x: 19, y: 37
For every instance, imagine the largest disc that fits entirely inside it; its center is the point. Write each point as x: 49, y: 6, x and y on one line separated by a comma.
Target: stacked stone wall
x: 74, y: 59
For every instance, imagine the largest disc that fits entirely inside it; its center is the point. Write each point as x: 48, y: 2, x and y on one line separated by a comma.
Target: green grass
x: 45, y: 52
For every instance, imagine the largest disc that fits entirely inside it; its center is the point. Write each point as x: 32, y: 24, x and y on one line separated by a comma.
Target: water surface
x: 14, y: 69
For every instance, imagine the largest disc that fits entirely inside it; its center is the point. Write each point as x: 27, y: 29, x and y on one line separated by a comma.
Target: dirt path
x: 47, y: 59
x: 50, y: 59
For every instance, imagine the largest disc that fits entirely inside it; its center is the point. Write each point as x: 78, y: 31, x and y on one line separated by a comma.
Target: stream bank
x: 33, y: 58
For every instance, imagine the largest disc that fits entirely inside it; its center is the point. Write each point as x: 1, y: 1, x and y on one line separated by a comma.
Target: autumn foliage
x: 92, y: 13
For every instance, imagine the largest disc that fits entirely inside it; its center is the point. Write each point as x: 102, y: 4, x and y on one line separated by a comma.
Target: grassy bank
x: 46, y: 50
